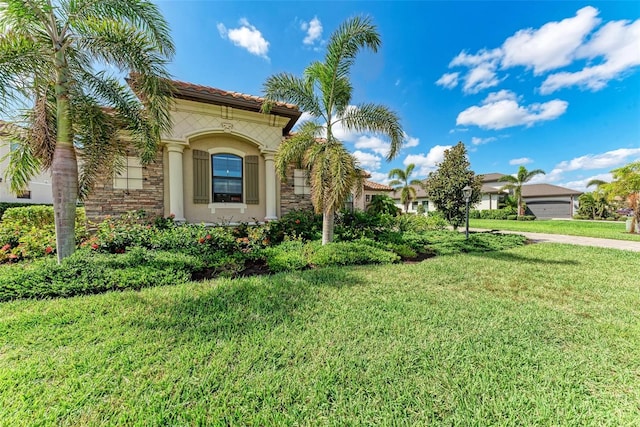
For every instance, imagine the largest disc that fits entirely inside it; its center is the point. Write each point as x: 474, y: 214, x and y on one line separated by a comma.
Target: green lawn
x: 603, y: 229
x: 539, y: 335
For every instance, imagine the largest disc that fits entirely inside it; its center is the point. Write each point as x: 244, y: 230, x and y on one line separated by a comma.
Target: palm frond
x: 23, y: 165
x: 285, y: 87
x: 292, y: 149
x: 345, y: 43
x: 377, y: 119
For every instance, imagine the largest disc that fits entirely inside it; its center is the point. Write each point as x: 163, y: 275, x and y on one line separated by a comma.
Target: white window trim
x: 229, y: 206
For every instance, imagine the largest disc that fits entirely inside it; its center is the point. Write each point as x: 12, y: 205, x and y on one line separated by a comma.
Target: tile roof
x: 375, y: 186
x: 547, y: 190
x: 208, y: 90
x: 491, y: 177
x: 490, y: 189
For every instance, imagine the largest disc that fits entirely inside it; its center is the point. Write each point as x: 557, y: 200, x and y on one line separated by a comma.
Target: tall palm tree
x: 515, y: 183
x: 404, y: 184
x: 325, y: 91
x: 49, y: 51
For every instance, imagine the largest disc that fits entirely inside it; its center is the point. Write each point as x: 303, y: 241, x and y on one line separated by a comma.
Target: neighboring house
x: 421, y: 199
x: 38, y: 191
x: 369, y: 189
x: 542, y: 200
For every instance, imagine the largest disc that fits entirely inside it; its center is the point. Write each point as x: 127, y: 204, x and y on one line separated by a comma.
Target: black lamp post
x: 466, y: 192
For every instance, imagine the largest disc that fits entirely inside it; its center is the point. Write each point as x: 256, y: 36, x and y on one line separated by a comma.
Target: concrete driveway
x: 575, y: 240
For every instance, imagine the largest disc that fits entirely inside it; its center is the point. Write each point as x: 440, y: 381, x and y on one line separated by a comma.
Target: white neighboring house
x: 38, y: 190
x: 421, y: 199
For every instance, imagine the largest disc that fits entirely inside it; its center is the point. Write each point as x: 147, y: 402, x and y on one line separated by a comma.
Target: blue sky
x: 550, y: 85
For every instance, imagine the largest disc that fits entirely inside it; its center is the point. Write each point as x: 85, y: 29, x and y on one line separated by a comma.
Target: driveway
x: 576, y: 240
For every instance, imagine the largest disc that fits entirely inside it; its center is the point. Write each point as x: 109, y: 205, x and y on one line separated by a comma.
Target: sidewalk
x: 573, y: 240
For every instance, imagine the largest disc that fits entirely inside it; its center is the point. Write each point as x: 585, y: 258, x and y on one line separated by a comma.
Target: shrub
x: 287, y: 256
x: 350, y: 253
x: 512, y: 217
x: 88, y: 272
x: 297, y: 224
x: 526, y: 217
x: 29, y: 232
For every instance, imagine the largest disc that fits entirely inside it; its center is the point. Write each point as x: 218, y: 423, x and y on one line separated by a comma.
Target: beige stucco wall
x: 219, y: 129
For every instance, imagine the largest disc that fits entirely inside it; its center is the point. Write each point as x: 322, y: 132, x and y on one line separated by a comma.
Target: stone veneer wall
x: 104, y: 200
x: 288, y: 199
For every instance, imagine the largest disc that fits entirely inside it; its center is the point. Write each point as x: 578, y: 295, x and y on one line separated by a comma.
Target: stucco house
x: 369, y: 189
x: 542, y: 200
x: 38, y: 190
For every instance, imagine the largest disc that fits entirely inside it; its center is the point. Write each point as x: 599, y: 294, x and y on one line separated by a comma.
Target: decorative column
x: 270, y: 186
x: 176, y: 178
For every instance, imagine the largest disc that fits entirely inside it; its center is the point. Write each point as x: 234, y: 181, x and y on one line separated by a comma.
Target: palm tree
x: 515, y: 183
x: 382, y: 204
x: 325, y: 92
x: 402, y: 183
x: 48, y: 56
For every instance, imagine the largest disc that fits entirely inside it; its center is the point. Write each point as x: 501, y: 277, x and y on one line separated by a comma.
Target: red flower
x: 94, y: 246
x: 201, y: 240
x: 6, y: 247
x: 13, y: 256
x: 297, y: 221
x: 208, y: 237
x: 48, y: 250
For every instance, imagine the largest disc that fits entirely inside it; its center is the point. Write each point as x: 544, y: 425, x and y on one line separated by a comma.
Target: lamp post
x: 466, y: 192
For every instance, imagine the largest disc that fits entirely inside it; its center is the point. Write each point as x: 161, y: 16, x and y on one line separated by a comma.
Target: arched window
x: 227, y: 178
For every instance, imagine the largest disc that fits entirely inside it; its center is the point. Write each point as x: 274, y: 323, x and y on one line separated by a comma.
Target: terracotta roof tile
x: 207, y: 90
x: 375, y: 186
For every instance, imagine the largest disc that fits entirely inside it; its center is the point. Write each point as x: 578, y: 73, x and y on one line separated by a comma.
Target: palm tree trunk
x: 64, y: 168
x: 328, y: 217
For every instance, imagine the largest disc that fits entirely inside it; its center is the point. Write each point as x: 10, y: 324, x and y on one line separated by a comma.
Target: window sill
x: 230, y: 206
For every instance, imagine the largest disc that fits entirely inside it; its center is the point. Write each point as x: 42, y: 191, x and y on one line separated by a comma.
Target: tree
x: 48, y: 54
x: 325, y: 92
x: 382, y: 204
x: 626, y: 184
x: 515, y: 183
x: 404, y: 184
x: 444, y: 186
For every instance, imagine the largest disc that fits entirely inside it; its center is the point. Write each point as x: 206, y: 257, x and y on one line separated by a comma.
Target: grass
x: 539, y: 335
x: 602, y: 229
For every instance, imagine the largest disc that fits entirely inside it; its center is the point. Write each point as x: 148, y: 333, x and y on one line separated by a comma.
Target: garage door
x: 550, y: 209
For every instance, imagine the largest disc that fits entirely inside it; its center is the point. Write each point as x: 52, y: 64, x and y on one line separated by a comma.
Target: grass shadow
x: 513, y: 257
x: 232, y: 307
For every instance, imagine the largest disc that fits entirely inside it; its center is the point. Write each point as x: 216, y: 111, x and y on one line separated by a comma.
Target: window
x: 425, y: 204
x: 227, y: 178
x: 301, y: 182
x: 414, y: 206
x: 130, y: 177
x: 367, y: 198
x: 24, y: 194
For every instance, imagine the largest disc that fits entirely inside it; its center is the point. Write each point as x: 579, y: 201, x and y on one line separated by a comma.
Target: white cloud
x: 380, y: 177
x: 581, y: 184
x: 247, y: 37
x: 373, y: 143
x: 479, y: 141
x: 551, y: 46
x: 426, y: 163
x: 313, y: 29
x: 520, y: 161
x: 618, y: 42
x: 479, y: 78
x: 482, y: 57
x: 368, y: 161
x: 398, y: 82
x: 501, y: 110
x: 448, y: 80
x: 610, y: 159
x: 410, y: 141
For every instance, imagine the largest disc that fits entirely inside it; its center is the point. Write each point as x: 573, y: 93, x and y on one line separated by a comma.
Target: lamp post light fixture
x: 466, y: 192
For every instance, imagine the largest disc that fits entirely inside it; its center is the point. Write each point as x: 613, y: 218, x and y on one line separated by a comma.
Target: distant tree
x: 444, y: 186
x: 404, y: 184
x: 382, y: 204
x: 515, y: 183
x: 511, y: 203
x: 592, y: 205
x: 325, y: 91
x: 626, y: 184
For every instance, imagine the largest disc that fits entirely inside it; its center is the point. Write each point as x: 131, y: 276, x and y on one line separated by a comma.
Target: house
x: 369, y: 189
x: 543, y: 200
x: 216, y: 164
x: 38, y: 190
